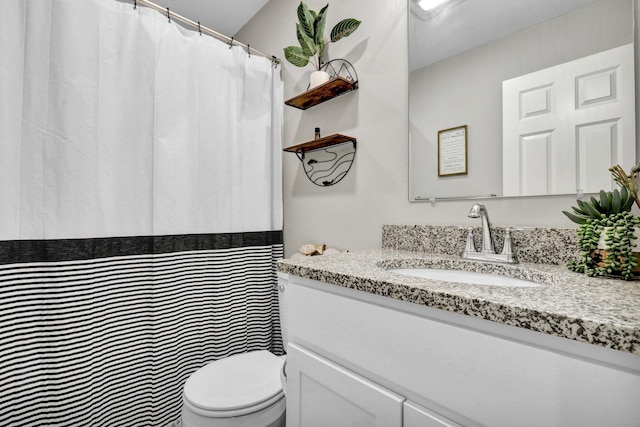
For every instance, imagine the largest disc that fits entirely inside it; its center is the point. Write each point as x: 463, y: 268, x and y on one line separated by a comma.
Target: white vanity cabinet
x: 415, y: 415
x: 365, y: 360
x: 321, y: 393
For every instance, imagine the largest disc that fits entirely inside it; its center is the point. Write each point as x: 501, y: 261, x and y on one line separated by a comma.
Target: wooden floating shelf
x: 322, y: 166
x: 335, y: 87
x: 318, y: 144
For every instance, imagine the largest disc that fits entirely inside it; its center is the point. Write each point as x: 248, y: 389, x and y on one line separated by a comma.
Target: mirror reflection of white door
x: 565, y: 126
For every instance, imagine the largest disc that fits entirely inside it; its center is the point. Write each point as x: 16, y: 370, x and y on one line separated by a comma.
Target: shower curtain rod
x: 202, y: 29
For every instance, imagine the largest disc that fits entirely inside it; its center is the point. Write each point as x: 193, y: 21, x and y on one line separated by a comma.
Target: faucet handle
x: 470, y: 246
x: 507, y: 249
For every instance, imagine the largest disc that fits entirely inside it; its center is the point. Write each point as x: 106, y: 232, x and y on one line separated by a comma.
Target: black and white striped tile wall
x: 104, y: 332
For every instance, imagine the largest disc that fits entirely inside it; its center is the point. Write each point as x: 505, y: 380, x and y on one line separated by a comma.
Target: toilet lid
x: 236, y: 382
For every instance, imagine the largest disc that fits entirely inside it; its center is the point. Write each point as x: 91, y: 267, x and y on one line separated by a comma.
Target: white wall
x: 350, y: 214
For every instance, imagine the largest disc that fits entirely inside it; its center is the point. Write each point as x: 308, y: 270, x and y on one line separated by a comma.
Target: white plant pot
x: 602, y: 245
x: 317, y: 78
x: 602, y: 248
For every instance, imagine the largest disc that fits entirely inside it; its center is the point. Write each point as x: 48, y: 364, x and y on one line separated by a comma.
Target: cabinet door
x: 418, y: 416
x: 321, y: 393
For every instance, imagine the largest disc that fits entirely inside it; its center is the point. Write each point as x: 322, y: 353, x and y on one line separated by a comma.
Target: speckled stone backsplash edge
x: 555, y: 246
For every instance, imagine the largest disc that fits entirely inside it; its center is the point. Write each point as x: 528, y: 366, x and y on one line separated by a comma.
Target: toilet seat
x: 236, y: 385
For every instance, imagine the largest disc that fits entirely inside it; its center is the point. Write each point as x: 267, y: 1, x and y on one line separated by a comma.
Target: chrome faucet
x: 488, y: 252
x: 478, y: 210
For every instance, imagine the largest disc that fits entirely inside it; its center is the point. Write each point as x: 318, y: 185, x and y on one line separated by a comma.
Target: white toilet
x: 242, y: 390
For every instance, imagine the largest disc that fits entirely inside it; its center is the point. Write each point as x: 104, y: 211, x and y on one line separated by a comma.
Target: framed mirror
x: 460, y: 55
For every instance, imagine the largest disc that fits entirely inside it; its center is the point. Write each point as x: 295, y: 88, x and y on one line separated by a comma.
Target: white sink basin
x: 469, y: 277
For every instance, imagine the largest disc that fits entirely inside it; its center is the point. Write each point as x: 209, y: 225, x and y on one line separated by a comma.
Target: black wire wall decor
x: 340, y: 68
x: 329, y: 165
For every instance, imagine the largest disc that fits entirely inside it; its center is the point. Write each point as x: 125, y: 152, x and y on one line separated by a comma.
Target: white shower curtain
x: 140, y: 210
x: 115, y: 122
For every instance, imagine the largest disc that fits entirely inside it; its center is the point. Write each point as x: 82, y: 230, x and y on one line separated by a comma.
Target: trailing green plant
x: 310, y: 33
x: 611, y: 214
x: 610, y: 203
x: 618, y: 258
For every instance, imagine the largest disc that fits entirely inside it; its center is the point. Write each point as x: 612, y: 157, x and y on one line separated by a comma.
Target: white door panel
x: 564, y: 126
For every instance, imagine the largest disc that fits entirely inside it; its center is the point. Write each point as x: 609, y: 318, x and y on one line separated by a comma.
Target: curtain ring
x: 249, y: 50
x: 231, y: 43
x: 169, y: 15
x: 135, y: 4
x: 274, y: 61
x: 199, y: 29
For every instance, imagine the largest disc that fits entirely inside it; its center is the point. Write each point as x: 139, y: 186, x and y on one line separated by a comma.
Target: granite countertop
x: 603, y: 312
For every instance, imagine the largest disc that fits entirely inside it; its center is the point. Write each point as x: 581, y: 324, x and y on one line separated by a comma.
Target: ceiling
x: 456, y: 28
x: 224, y: 16
x: 466, y: 24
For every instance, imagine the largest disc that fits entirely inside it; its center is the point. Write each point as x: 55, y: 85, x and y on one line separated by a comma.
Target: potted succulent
x: 310, y: 33
x: 607, y: 229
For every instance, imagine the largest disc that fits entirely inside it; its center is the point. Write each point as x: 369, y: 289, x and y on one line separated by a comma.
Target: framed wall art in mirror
x: 452, y: 151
